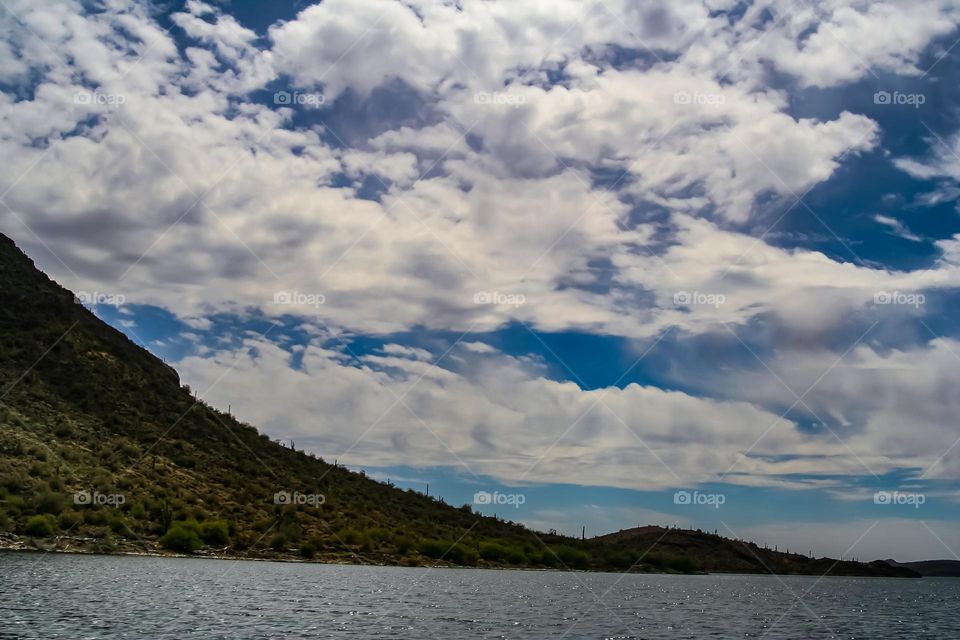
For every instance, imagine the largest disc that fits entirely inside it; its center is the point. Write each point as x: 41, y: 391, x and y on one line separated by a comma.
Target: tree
x: 181, y: 538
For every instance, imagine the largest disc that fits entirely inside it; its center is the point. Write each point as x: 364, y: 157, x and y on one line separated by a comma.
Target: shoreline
x: 5, y: 547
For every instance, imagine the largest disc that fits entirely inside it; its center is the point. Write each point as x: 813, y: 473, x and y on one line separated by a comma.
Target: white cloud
x: 497, y: 415
x: 169, y: 183
x: 841, y: 41
x: 190, y: 197
x: 897, y: 227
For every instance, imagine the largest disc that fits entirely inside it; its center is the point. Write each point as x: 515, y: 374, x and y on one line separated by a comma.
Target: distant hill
x: 102, y: 449
x: 932, y: 568
x: 716, y: 553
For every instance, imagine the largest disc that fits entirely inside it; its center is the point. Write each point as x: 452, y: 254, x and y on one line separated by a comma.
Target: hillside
x: 932, y: 568
x: 716, y: 554
x: 102, y: 449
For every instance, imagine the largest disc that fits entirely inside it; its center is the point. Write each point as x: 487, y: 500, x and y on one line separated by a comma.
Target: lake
x: 73, y: 596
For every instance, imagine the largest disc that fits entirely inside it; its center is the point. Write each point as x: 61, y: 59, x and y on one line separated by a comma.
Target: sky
x: 578, y: 263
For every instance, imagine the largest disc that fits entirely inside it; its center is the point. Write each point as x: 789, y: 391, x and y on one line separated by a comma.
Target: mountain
x: 717, y: 554
x: 932, y: 568
x: 102, y: 449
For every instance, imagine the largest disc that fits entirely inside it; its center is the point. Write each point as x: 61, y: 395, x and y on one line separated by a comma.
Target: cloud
x: 498, y: 415
x: 837, y: 42
x: 190, y: 195
x: 156, y: 165
x: 898, y: 228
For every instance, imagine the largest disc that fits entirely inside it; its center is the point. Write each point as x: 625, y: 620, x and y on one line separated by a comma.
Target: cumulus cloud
x: 167, y: 181
x: 156, y: 165
x: 495, y: 415
x: 841, y: 41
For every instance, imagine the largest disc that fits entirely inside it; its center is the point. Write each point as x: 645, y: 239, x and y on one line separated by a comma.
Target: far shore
x: 10, y: 543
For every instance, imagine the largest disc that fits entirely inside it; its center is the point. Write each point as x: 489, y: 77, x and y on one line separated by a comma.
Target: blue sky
x: 594, y: 253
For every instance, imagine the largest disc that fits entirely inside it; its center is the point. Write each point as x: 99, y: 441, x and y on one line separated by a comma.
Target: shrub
x: 308, y: 550
x: 433, y: 548
x: 352, y: 537
x: 492, y: 551
x: 620, y: 559
x: 215, y: 532
x: 117, y: 524
x: 403, y: 544
x: 462, y: 554
x: 50, y: 502
x: 181, y: 537
x: 682, y: 563
x: 41, y: 526
x: 572, y: 558
x: 516, y: 556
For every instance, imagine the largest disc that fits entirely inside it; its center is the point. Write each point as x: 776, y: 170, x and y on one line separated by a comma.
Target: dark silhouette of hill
x: 102, y: 449
x: 716, y: 553
x: 932, y: 568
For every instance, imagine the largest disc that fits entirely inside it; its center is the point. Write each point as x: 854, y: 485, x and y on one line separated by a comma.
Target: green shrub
x: 620, y: 559
x: 572, y: 558
x: 682, y: 563
x: 117, y: 524
x: 215, y: 532
x: 516, y: 556
x: 308, y: 550
x: 41, y: 526
x: 50, y: 502
x: 462, y: 554
x: 403, y: 544
x: 435, y: 549
x: 352, y: 537
x: 181, y: 537
x: 492, y: 551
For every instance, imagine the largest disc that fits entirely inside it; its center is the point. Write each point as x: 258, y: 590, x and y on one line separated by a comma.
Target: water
x: 76, y: 597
